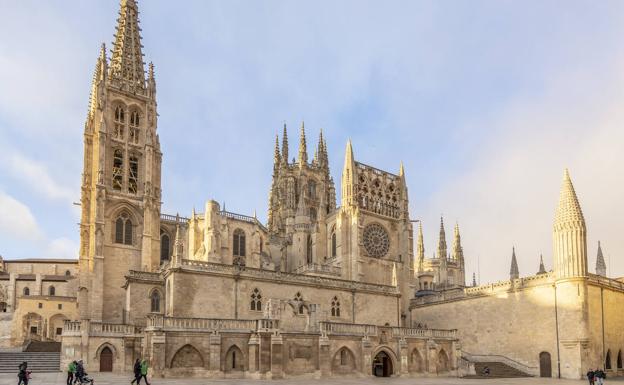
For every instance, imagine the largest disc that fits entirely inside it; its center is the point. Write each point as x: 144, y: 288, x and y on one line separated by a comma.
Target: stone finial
x: 420, y: 249
x: 442, y: 252
x: 513, y: 271
x: 276, y: 153
x: 542, y: 269
x: 601, y: 266
x: 285, y: 146
x: 303, y: 150
x: 457, y: 249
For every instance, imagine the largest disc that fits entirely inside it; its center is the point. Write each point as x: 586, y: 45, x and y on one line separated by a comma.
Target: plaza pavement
x: 115, y: 379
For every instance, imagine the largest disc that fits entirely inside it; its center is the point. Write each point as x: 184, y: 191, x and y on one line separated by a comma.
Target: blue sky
x: 485, y: 102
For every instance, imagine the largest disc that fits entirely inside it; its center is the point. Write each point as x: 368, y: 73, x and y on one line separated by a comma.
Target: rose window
x: 376, y: 240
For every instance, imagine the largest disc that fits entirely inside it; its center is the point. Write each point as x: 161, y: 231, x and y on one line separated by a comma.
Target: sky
x: 485, y: 102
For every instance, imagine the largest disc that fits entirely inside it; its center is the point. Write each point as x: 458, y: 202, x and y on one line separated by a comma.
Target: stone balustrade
x: 316, y: 268
x: 71, y: 328
x: 423, y: 333
x: 200, y: 324
x: 336, y: 328
x: 106, y: 329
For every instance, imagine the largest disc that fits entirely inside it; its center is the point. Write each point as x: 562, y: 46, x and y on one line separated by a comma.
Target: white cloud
x: 37, y: 177
x: 17, y: 221
x: 61, y: 248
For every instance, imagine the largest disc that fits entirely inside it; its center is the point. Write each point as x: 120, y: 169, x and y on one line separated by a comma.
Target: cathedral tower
x: 119, y: 226
x: 569, y: 234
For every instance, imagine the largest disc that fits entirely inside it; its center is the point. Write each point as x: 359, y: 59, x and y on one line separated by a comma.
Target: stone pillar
x: 403, y: 357
x: 37, y: 289
x: 12, y: 293
x: 432, y: 357
x: 324, y: 356
x: 215, y: 352
x: 128, y: 346
x: 455, y: 355
x: 85, y: 325
x: 157, y: 353
x: 277, y: 356
x: 367, y: 359
x: 254, y: 353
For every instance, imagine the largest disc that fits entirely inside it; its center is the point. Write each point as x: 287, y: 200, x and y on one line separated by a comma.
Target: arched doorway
x: 106, y: 360
x: 545, y: 365
x: 234, y: 360
x: 382, y: 365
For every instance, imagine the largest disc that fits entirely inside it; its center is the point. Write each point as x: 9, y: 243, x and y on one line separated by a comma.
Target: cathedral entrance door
x: 106, y: 360
x: 382, y: 365
x: 545, y: 365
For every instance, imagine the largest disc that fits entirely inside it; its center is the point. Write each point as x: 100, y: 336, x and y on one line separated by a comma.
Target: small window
x: 40, y: 305
x: 155, y: 302
x: 335, y: 307
x: 343, y: 357
x: 59, y: 331
x: 299, y: 300
x: 164, y: 246
x: 313, y: 214
x: 309, y: 250
x: 26, y: 291
x: 238, y: 248
x: 51, y: 291
x: 60, y: 306
x: 134, y: 128
x: 256, y: 300
x: 333, y: 242
x: 67, y: 273
x: 120, y: 122
x: 608, y: 360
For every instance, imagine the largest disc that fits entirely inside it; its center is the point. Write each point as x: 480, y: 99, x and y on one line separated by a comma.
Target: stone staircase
x: 497, y: 370
x: 38, y: 362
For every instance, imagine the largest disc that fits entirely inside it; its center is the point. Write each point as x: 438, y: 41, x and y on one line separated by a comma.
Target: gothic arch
x: 105, y: 345
x: 54, y: 323
x: 608, y: 360
x: 394, y: 368
x: 187, y: 357
x: 343, y: 361
x: 416, y: 361
x: 129, y: 209
x: 156, y: 300
x: 234, y: 360
x: 443, y: 362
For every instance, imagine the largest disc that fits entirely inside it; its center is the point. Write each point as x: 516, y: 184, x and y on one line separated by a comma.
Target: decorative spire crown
x: 513, y: 272
x: 442, y: 254
x: 127, y: 60
x: 542, y: 269
x: 285, y: 146
x: 303, y: 151
x: 569, y: 209
x: 601, y: 266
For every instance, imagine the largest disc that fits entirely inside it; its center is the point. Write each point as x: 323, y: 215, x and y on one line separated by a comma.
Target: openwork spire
x: 276, y: 154
x: 99, y: 74
x: 601, y: 266
x: 127, y: 60
x: 303, y: 151
x: 442, y: 254
x: 457, y: 250
x: 513, y: 271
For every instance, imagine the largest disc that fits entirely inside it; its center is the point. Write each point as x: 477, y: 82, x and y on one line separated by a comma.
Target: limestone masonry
x: 319, y: 290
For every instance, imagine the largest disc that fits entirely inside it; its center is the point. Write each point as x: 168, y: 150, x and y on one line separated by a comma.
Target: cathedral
x: 322, y: 289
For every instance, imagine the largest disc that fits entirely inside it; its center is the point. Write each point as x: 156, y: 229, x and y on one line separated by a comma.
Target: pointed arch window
x: 120, y: 123
x: 309, y: 250
x: 238, y: 247
x: 333, y: 242
x: 155, y: 302
x: 335, y: 307
x: 619, y: 359
x: 133, y: 174
x: 256, y: 300
x: 608, y: 360
x: 26, y: 291
x: 343, y: 357
x: 118, y: 160
x: 313, y: 214
x: 123, y: 229
x: 134, y: 127
x: 51, y: 291
x: 165, y: 245
x: 299, y: 299
x: 312, y: 189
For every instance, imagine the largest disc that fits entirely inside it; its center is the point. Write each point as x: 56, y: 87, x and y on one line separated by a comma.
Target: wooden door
x: 106, y: 360
x: 545, y: 365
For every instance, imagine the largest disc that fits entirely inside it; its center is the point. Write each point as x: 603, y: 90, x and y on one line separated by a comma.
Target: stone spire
x: 457, y: 249
x: 321, y: 151
x: 542, y: 269
x: 513, y: 272
x: 348, y: 177
x: 569, y: 234
x: 151, y: 81
x: 99, y: 75
x: 285, y: 146
x: 303, y: 151
x: 276, y: 155
x: 442, y: 254
x: 420, y: 250
x: 178, y: 245
x: 474, y: 280
x: 127, y: 60
x: 601, y: 266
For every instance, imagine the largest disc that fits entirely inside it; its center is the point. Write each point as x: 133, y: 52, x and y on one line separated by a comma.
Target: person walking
x: 590, y: 376
x: 599, y: 376
x: 23, y: 374
x: 136, y: 369
x: 71, y: 369
x: 144, y: 371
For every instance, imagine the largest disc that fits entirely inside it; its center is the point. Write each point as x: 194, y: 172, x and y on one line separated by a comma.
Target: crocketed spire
x: 442, y: 254
x: 127, y: 60
x: 569, y: 209
x: 601, y: 266
x: 276, y: 154
x: 513, y: 272
x: 303, y: 148
x: 457, y: 250
x: 285, y: 146
x: 420, y: 249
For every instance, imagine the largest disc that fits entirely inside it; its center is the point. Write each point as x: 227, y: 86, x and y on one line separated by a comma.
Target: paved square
x: 114, y: 379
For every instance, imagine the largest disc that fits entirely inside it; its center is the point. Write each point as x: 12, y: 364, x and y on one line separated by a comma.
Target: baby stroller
x: 84, y: 379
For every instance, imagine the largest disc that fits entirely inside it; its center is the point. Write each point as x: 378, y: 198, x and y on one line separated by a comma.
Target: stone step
x: 38, y: 362
x: 498, y: 370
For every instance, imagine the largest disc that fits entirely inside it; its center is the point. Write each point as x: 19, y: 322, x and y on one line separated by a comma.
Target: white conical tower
x: 569, y: 234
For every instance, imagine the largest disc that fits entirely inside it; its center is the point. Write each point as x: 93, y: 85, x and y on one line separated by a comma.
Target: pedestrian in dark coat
x: 590, y: 376
x: 137, y: 372
x: 23, y: 374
